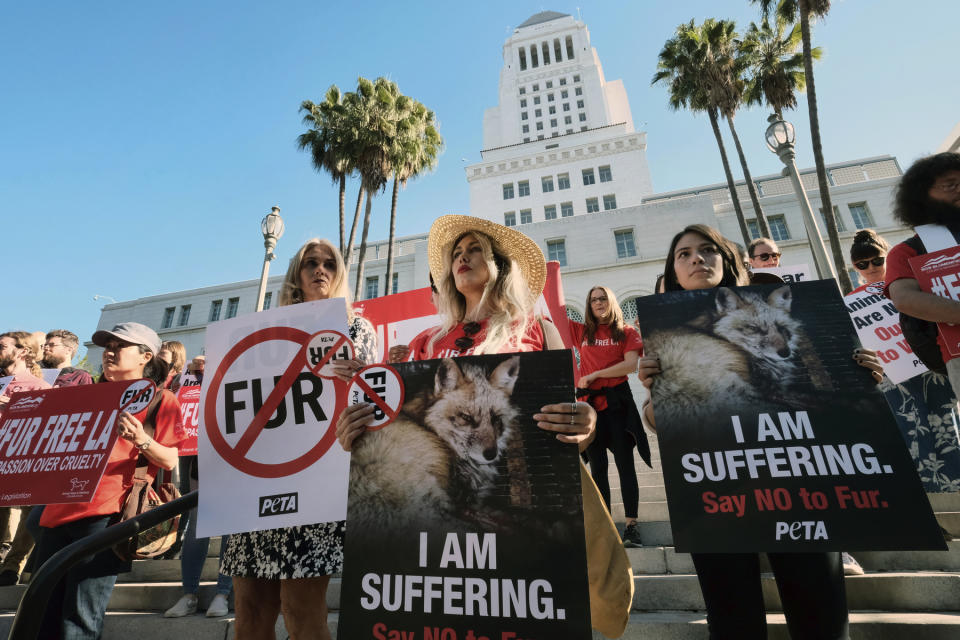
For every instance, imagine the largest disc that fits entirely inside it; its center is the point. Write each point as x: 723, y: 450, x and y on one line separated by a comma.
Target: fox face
x: 764, y: 328
x: 472, y: 412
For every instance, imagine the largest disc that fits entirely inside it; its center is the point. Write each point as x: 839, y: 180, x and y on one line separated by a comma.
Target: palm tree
x: 775, y: 56
x: 683, y: 67
x: 414, y: 151
x: 801, y: 11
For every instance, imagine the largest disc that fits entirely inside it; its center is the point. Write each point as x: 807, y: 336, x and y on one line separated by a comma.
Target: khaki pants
x: 21, y: 546
x: 9, y: 519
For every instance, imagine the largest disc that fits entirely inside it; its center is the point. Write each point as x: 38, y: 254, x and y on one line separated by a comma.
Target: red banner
x: 189, y: 398
x: 55, y: 443
x: 398, y: 318
x: 939, y: 273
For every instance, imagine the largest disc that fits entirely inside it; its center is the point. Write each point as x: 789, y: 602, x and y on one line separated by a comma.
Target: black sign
x: 772, y: 437
x: 464, y: 518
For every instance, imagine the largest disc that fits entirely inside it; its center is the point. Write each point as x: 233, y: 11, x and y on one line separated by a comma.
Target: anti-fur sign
x: 267, y: 442
x: 464, y: 520
x: 771, y: 437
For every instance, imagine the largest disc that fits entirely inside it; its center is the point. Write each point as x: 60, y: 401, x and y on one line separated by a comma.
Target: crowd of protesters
x: 485, y: 280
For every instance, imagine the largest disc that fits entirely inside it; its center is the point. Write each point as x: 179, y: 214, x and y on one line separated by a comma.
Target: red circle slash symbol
x: 381, y: 385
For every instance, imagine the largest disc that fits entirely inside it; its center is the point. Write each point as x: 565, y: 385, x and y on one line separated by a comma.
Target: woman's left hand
x: 572, y: 422
x: 346, y: 369
x: 131, y: 429
x: 869, y: 360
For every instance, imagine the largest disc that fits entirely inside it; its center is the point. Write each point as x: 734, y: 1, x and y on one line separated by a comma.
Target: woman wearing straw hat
x: 489, y: 278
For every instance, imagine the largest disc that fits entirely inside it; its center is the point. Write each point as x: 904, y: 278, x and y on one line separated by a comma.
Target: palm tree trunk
x: 751, y: 187
x: 363, y: 250
x: 353, y: 227
x: 726, y: 170
x: 845, y: 284
x: 343, y: 195
x: 393, y: 231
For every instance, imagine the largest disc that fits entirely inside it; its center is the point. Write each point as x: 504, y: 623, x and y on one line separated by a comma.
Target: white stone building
x: 622, y: 246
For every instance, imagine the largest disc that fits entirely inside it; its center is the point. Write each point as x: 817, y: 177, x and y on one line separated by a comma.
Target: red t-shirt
x: 445, y: 347
x: 23, y: 381
x: 603, y: 353
x: 118, y: 476
x: 898, y: 267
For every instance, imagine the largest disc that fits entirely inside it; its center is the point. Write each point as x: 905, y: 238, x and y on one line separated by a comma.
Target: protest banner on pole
x: 795, y: 273
x: 771, y: 437
x: 267, y: 442
x: 189, y: 397
x: 55, y: 443
x: 464, y: 517
x: 939, y: 273
x: 877, y: 323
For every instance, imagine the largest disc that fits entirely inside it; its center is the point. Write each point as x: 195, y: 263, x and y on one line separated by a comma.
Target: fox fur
x: 440, y: 454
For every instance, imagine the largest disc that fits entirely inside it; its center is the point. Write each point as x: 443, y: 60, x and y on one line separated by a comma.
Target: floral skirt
x: 309, y: 551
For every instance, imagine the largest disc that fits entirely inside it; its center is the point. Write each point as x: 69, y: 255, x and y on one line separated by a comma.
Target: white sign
x: 877, y: 323
x: 50, y: 375
x: 4, y: 381
x: 796, y: 273
x: 267, y: 444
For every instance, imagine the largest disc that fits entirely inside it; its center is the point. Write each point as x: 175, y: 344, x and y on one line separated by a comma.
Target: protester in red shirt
x: 609, y: 350
x: 78, y: 603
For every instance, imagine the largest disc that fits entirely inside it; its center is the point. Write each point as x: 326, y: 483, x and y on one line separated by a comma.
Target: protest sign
x: 877, y: 323
x: 795, y: 273
x: 267, y: 437
x: 55, y: 443
x: 771, y: 437
x: 4, y: 381
x: 398, y: 318
x: 50, y: 375
x: 939, y: 273
x: 189, y: 397
x: 464, y: 517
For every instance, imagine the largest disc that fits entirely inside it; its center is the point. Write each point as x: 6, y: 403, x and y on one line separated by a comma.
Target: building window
x: 557, y: 251
x: 546, y: 55
x: 373, y: 285
x: 567, y: 120
x: 167, y: 317
x: 566, y: 209
x: 568, y: 41
x: 523, y: 103
x: 395, y: 284
x: 546, y: 183
x: 508, y: 191
x: 583, y: 117
x: 526, y: 128
x: 566, y: 106
x: 564, y: 94
x: 510, y: 218
x: 861, y: 215
x: 523, y: 90
x: 557, y: 54
x: 552, y: 110
x: 267, y: 299
x: 554, y: 134
x: 563, y: 81
x: 536, y: 99
x: 536, y: 87
x: 605, y: 174
x: 553, y: 122
x: 537, y: 113
x: 233, y: 305
x: 753, y: 228
x: 836, y: 216
x: 523, y: 187
x: 550, y: 212
x: 593, y: 205
x: 539, y: 126
x: 576, y: 78
x: 549, y: 84
x: 540, y: 137
x: 215, y: 308
x: 184, y: 315
x: 778, y: 228
x: 526, y: 139
x: 578, y: 91
x: 523, y: 115
x: 569, y: 130
x: 609, y: 202
x: 526, y: 216
x: 579, y: 104
x: 625, y: 246
x: 523, y: 59
x: 588, y: 177
x: 549, y: 97
x: 583, y: 128
x: 563, y: 181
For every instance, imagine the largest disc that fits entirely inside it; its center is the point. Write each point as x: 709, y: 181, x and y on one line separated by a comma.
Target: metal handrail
x: 26, y: 624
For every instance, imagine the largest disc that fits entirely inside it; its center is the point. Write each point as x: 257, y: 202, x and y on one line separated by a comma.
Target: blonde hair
x: 506, y: 295
x: 616, y: 316
x: 178, y: 354
x: 34, y: 347
x: 291, y: 293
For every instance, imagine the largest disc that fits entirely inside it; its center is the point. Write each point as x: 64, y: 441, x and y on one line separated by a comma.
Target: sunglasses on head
x: 863, y: 264
x: 466, y: 340
x: 766, y: 256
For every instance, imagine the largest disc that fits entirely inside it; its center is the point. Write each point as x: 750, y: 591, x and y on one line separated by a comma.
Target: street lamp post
x: 272, y: 228
x: 780, y: 137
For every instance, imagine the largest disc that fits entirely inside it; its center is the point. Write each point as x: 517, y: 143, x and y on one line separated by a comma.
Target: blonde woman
x: 609, y: 350
x: 287, y: 570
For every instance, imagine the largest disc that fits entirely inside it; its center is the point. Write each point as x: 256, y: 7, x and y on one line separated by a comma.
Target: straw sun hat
x: 511, y: 243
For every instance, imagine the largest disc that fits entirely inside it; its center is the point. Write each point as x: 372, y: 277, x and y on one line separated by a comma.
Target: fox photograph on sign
x: 772, y: 437
x: 267, y: 441
x: 464, y: 518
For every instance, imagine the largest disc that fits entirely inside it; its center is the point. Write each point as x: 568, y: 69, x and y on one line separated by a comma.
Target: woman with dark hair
x: 288, y: 570
x: 78, y: 603
x: 868, y: 253
x: 609, y: 350
x: 811, y: 584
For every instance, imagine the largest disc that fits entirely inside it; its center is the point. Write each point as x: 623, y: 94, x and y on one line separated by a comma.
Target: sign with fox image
x: 772, y: 438
x: 464, y: 518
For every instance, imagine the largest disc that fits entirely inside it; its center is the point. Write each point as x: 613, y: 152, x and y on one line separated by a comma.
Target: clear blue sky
x: 141, y: 143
